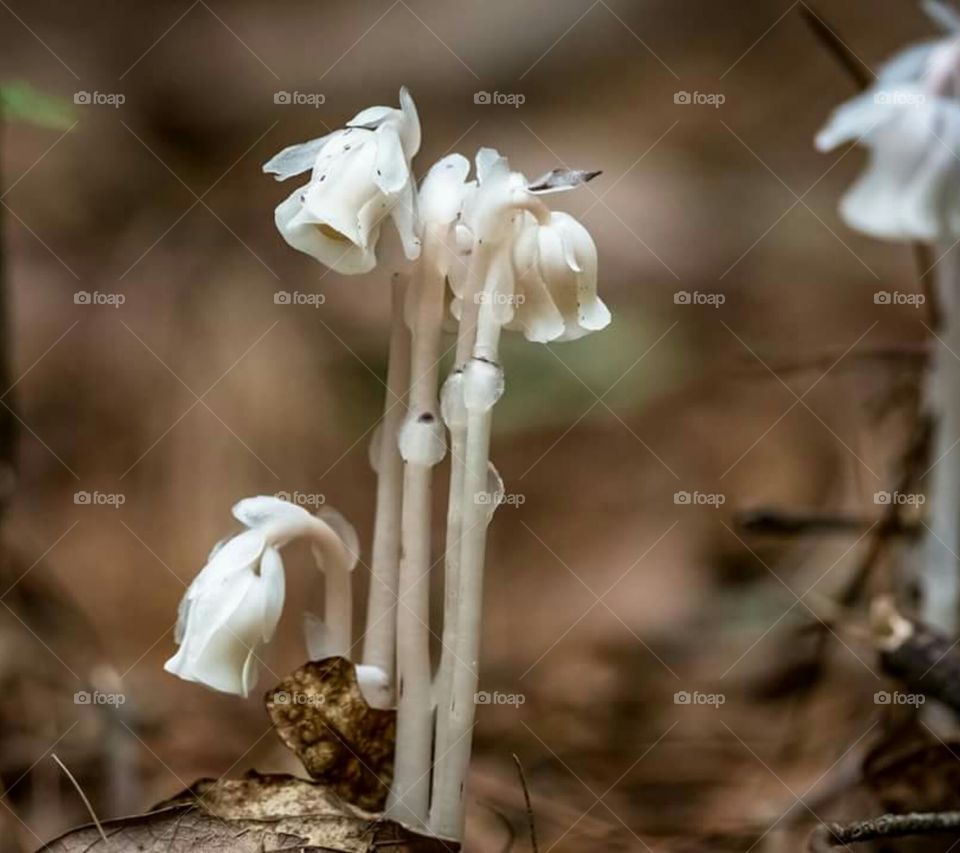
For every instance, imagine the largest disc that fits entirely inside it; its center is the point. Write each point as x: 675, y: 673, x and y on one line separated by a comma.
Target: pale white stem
x: 457, y: 427
x: 451, y: 582
x: 941, y: 564
x: 336, y: 562
x: 379, y: 646
x: 338, y: 609
x: 421, y: 447
x: 482, y: 387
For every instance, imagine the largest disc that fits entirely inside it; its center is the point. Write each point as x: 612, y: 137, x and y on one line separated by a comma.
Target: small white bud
x: 422, y: 439
x: 452, y: 407
x: 482, y: 384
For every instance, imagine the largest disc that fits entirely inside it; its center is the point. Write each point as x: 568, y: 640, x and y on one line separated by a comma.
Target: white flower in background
x: 910, y: 120
x: 542, y: 277
x: 359, y: 176
x: 233, y: 605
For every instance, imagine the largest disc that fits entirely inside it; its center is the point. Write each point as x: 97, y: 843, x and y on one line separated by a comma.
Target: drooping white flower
x: 542, y: 273
x: 556, y: 268
x: 359, y: 176
x: 910, y: 121
x: 233, y: 605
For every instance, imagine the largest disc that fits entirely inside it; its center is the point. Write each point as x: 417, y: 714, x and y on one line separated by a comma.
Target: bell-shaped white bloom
x: 909, y: 119
x: 359, y: 176
x: 542, y: 265
x: 233, y: 605
x: 556, y: 275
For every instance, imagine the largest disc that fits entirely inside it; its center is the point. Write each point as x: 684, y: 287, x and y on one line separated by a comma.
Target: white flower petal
x: 329, y: 247
x: 490, y: 162
x: 372, y: 117
x: 218, y: 658
x: 263, y: 509
x: 273, y: 579
x: 442, y: 189
x: 392, y: 171
x: 410, y: 124
x: 296, y: 159
x: 405, y: 218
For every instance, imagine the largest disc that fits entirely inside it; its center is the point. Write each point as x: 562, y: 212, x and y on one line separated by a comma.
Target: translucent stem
x: 338, y: 611
x: 379, y: 647
x: 941, y: 565
x: 458, y: 706
x: 421, y: 447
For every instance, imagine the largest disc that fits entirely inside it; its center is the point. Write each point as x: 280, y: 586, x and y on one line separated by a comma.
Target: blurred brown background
x: 605, y: 596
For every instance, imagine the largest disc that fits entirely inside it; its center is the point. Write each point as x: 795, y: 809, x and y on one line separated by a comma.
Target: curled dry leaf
x: 320, y: 713
x: 250, y: 815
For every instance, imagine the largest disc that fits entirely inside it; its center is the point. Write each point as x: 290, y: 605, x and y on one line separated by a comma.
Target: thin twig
x: 777, y: 522
x: 526, y: 797
x: 83, y: 797
x: 829, y: 836
x: 836, y: 47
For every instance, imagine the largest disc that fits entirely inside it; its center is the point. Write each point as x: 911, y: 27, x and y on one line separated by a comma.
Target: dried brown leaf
x: 320, y: 713
x: 256, y: 814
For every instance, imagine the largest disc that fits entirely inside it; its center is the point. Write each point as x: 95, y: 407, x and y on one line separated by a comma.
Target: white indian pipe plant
x: 491, y: 250
x: 909, y: 120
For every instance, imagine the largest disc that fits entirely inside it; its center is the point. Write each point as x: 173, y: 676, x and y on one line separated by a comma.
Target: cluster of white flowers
x: 488, y: 252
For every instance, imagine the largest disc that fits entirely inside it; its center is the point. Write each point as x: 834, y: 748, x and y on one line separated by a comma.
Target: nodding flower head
x: 909, y: 119
x: 359, y: 176
x: 542, y: 275
x: 556, y: 273
x: 233, y: 605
